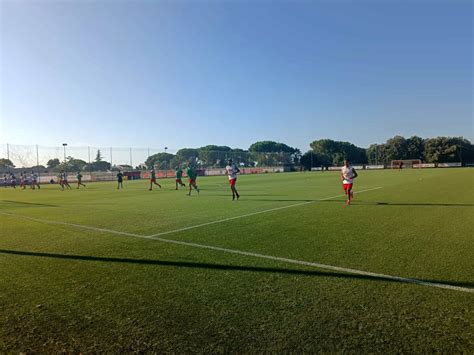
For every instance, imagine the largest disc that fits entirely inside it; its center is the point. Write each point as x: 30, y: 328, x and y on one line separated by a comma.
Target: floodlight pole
x: 110, y: 157
x: 8, y: 151
x: 65, y: 145
x: 131, y: 164
x: 37, y: 163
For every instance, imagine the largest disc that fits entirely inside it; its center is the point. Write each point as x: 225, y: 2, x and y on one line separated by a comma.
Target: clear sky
x: 192, y: 73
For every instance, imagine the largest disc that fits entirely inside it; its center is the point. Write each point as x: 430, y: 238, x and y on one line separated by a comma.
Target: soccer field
x: 288, y: 267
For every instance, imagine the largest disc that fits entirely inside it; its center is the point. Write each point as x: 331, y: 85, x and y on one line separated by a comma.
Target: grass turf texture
x: 69, y: 289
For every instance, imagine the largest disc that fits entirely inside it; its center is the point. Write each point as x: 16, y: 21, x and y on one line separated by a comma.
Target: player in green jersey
x: 79, y: 179
x: 119, y: 180
x: 179, y: 176
x: 192, y: 175
x: 153, y: 179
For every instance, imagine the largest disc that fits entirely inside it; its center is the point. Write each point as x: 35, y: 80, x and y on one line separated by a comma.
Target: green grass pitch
x: 66, y: 288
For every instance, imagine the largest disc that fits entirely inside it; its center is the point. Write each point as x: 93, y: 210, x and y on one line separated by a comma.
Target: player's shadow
x: 25, y: 204
x: 196, y: 265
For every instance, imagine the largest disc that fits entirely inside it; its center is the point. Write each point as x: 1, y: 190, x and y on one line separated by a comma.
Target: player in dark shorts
x: 231, y: 171
x: 179, y: 177
x: 119, y: 180
x: 35, y: 181
x: 13, y: 180
x: 192, y: 175
x: 79, y: 179
x: 153, y: 179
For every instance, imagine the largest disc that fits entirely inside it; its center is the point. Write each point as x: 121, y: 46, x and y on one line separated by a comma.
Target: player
x: 64, y: 182
x: 179, y: 176
x: 34, y: 181
x: 60, y: 180
x: 192, y: 175
x: 153, y: 179
x: 231, y: 170
x: 13, y: 180
x: 23, y: 180
x: 119, y: 180
x: 79, y: 179
x: 348, y: 174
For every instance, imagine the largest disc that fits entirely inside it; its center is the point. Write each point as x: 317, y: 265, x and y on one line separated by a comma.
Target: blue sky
x: 188, y: 74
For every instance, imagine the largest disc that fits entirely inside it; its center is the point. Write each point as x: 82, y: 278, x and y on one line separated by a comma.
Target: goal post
x: 404, y: 163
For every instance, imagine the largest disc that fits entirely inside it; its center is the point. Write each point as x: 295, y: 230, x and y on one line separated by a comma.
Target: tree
x: 76, y: 164
x: 271, y: 147
x: 162, y: 160
x: 52, y: 163
x: 71, y: 165
x: 443, y: 149
x: 214, y: 155
x: 187, y: 155
x: 98, y: 166
x: 396, y: 148
x: 268, y: 153
x: 373, y: 154
x: 98, y: 156
x: 415, y: 148
x: 310, y: 160
x: 6, y: 163
x: 331, y: 152
x: 466, y: 151
x: 240, y: 157
x: 297, y: 156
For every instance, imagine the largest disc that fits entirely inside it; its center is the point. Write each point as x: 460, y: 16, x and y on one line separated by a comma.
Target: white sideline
x: 256, y: 255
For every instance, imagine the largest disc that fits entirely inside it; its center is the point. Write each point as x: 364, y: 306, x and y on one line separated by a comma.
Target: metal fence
x: 40, y: 157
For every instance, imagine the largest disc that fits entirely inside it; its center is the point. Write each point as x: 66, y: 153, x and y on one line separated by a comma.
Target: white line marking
x: 254, y: 214
x: 256, y: 255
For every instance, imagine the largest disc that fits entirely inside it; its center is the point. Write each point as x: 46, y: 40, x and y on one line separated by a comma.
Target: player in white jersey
x: 348, y: 174
x: 231, y: 170
x: 34, y: 181
x: 64, y: 182
x: 23, y: 180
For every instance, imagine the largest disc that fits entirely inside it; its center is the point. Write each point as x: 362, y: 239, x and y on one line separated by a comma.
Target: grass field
x: 64, y: 287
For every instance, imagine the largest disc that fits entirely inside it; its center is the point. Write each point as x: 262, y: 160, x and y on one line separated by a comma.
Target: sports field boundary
x: 156, y: 237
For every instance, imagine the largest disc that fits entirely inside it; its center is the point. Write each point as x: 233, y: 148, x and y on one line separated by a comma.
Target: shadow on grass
x: 260, y: 195
x: 356, y: 202
x: 26, y: 204
x: 195, y: 265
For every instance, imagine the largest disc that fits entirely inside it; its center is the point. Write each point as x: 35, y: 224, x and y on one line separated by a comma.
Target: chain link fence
x: 101, y: 158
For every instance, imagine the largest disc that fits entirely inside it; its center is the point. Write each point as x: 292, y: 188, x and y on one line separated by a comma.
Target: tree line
x: 322, y: 152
